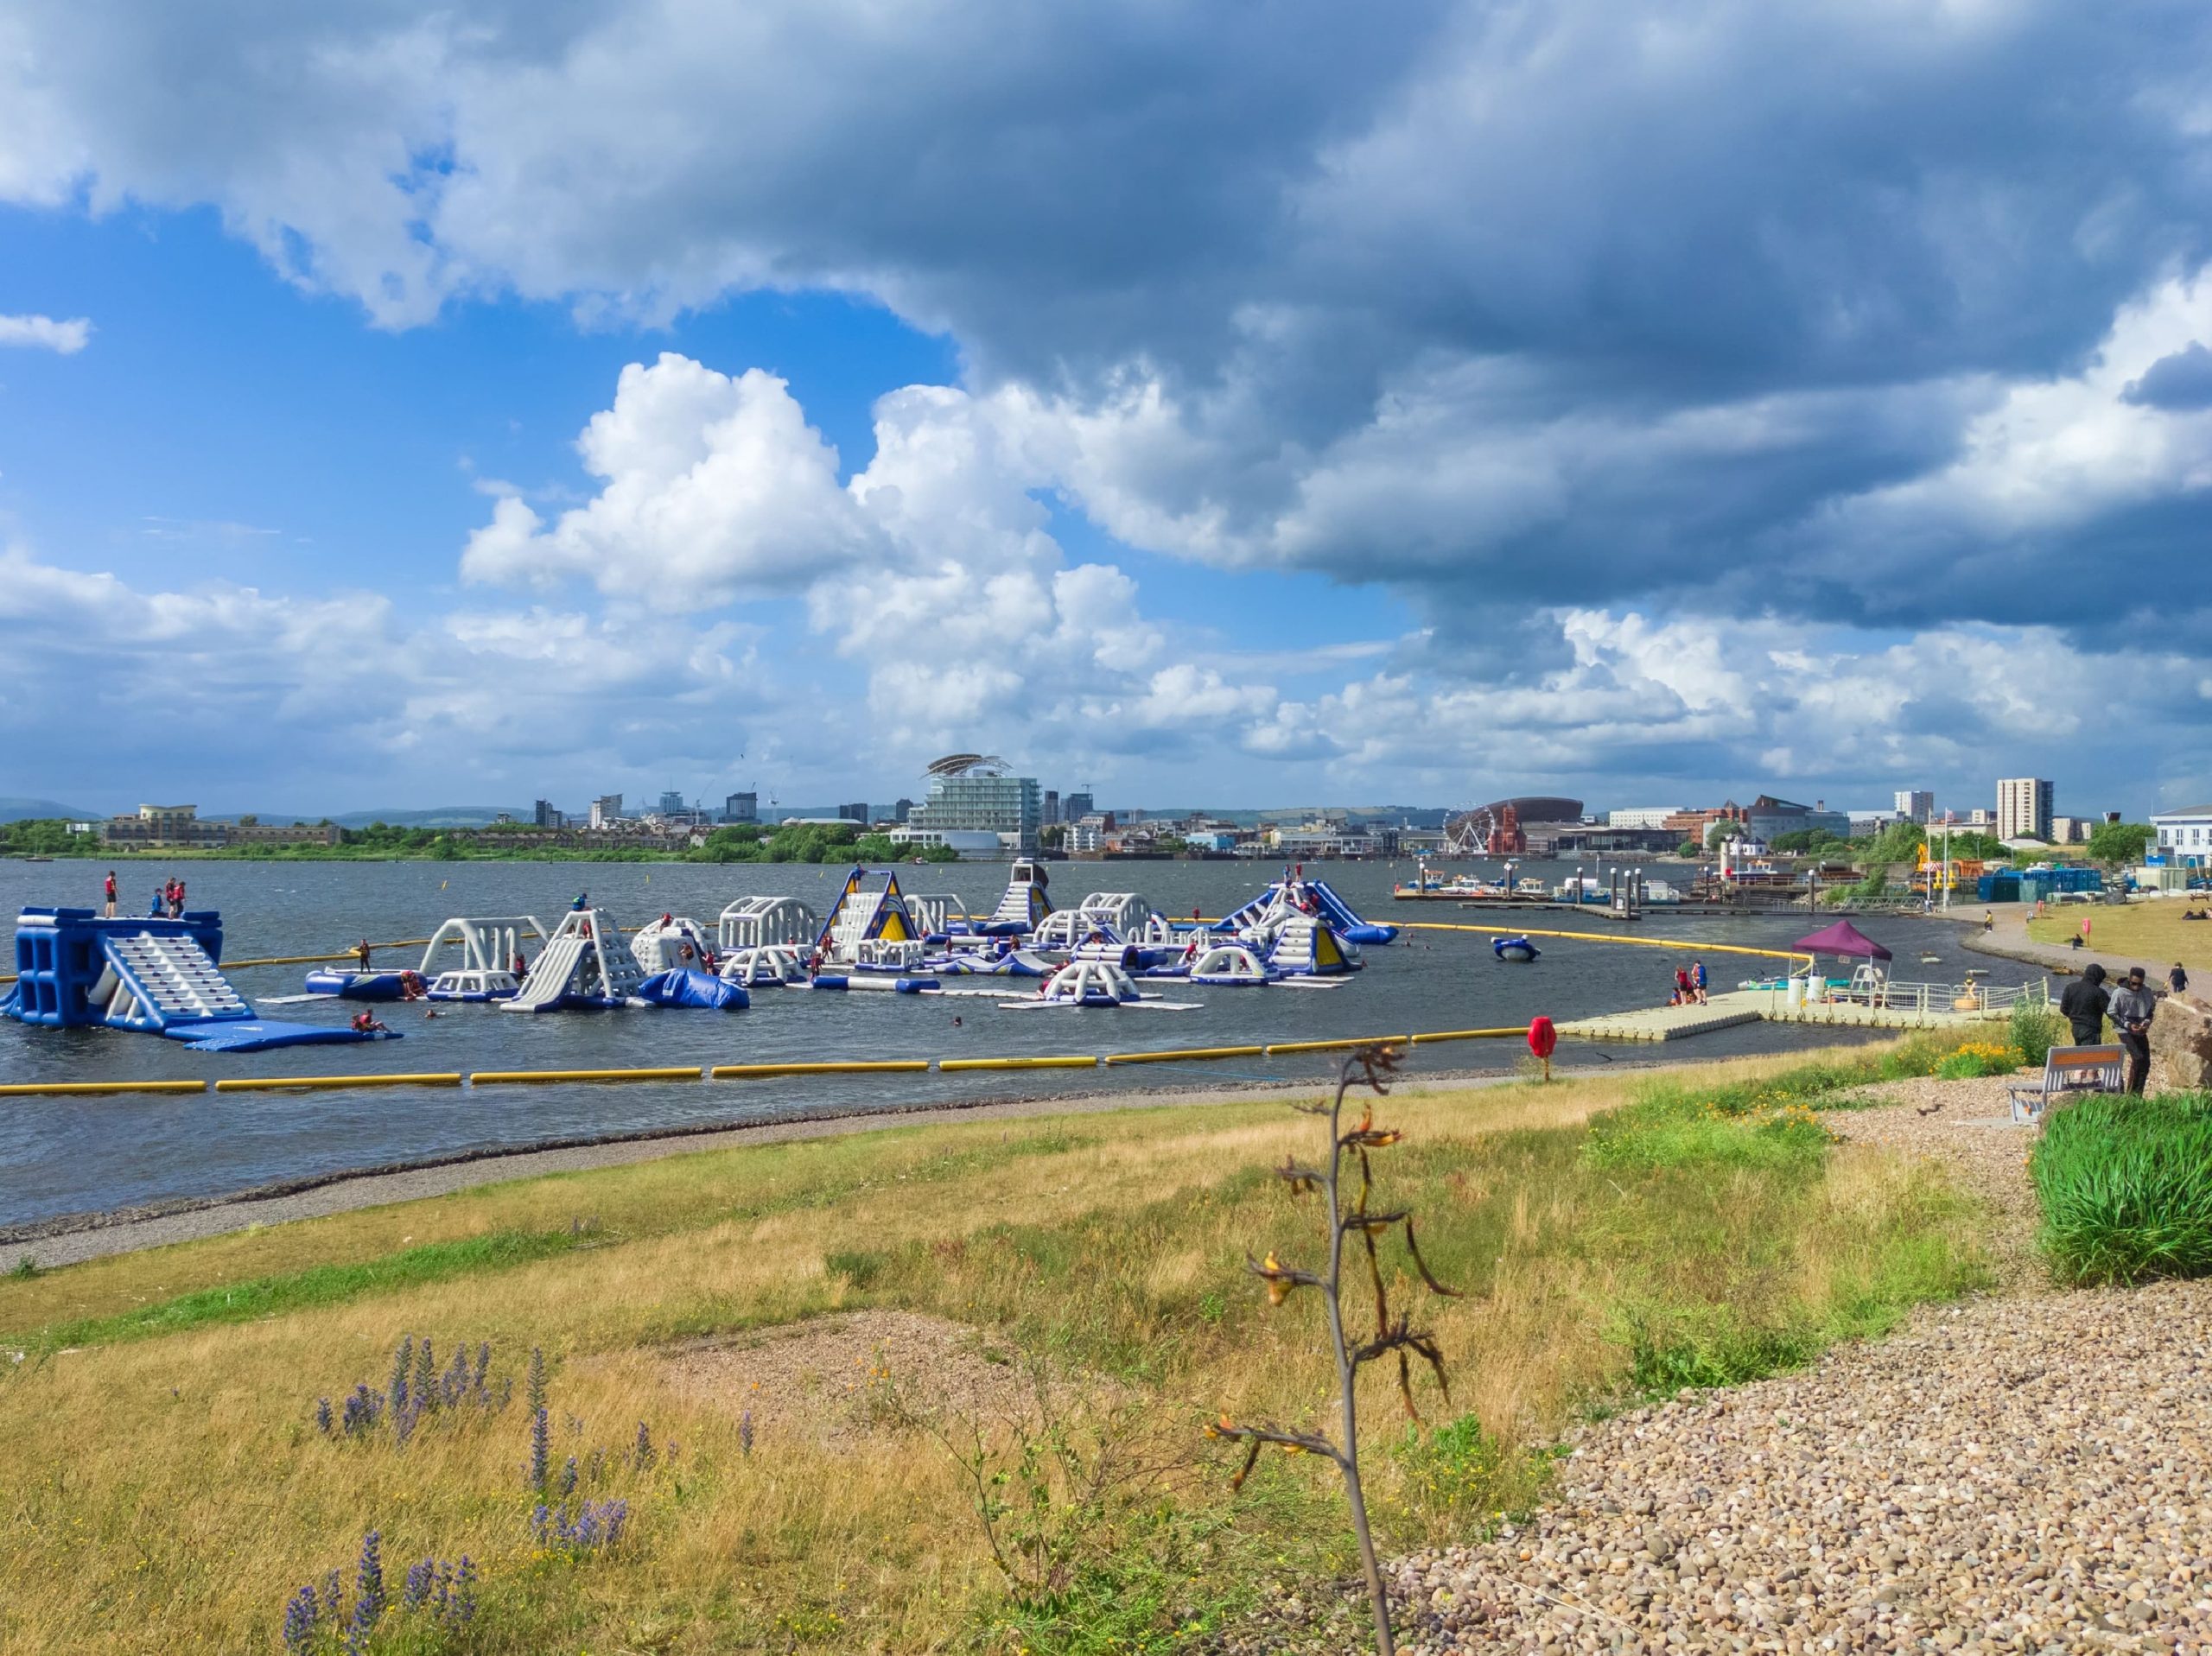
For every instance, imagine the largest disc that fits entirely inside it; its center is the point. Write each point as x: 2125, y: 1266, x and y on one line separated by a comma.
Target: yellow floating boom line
x: 526, y: 1077
x: 1191, y: 1054
x: 275, y: 1083
x: 88, y: 1089
x: 842, y: 1067
x: 1071, y: 1061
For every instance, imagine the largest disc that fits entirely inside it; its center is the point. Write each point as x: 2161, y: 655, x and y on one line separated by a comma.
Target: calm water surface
x: 62, y: 1155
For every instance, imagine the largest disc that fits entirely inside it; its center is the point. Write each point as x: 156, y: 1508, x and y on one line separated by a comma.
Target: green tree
x: 1720, y: 832
x: 2121, y: 844
x: 1687, y: 848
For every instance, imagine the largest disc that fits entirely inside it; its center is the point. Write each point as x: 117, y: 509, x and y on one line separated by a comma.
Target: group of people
x: 1689, y: 986
x: 2087, y: 1003
x: 168, y: 904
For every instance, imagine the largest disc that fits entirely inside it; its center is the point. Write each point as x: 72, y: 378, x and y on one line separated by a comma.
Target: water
x: 73, y: 1155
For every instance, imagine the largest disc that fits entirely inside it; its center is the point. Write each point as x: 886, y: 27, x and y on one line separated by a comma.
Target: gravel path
x: 2028, y: 1471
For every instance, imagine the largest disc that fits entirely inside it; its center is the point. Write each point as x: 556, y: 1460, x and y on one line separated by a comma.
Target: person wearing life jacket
x: 365, y: 1024
x: 411, y: 987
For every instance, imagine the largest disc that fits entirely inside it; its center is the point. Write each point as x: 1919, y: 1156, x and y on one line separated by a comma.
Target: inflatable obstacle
x: 685, y: 986
x: 1316, y: 899
x: 584, y: 963
x: 867, y: 912
x: 155, y: 976
x: 1024, y: 905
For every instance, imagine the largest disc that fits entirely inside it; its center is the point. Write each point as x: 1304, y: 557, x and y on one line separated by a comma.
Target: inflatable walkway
x: 155, y: 976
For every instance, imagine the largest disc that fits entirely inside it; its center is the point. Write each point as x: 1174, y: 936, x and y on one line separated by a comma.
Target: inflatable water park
x: 163, y: 976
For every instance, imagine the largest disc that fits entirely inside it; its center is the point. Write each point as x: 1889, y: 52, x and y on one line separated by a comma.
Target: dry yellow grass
x: 169, y: 1494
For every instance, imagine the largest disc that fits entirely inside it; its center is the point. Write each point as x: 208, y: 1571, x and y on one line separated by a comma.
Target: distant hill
x: 22, y: 810
x: 441, y: 816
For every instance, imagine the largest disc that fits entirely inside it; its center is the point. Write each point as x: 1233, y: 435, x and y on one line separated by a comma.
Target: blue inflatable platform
x: 151, y: 974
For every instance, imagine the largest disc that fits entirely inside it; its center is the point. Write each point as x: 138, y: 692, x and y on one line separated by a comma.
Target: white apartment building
x: 2024, y: 808
x: 1916, y: 804
x: 1642, y: 816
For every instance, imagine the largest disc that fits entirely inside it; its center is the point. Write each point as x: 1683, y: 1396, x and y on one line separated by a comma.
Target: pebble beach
x: 2025, y: 1470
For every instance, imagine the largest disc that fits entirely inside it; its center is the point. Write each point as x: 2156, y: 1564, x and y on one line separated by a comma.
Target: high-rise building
x: 1916, y: 804
x: 670, y: 801
x: 2024, y: 808
x: 902, y: 811
x: 544, y: 816
x: 972, y: 800
x: 741, y: 808
x: 1051, y: 806
x: 607, y: 810
x: 1076, y: 807
x: 856, y: 812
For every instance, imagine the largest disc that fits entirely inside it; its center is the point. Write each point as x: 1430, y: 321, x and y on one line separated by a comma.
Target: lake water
x: 73, y: 1155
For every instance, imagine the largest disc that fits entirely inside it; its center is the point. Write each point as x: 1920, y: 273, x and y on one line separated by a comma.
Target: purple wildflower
x: 426, y: 1376
x: 368, y: 1582
x: 401, y: 1360
x: 322, y: 1415
x: 299, y: 1619
x: 402, y: 1423
x: 419, y: 1579
x: 642, y: 1455
x: 540, y: 1448
x: 330, y: 1597
x: 536, y: 1380
x: 483, y: 1367
x: 568, y: 1478
x: 464, y: 1592
x: 745, y: 1432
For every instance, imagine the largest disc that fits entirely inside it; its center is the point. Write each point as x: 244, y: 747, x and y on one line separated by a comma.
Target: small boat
x: 1930, y: 960
x: 1514, y: 948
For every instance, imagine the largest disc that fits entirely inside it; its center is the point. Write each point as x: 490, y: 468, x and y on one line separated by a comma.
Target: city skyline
x: 1813, y: 397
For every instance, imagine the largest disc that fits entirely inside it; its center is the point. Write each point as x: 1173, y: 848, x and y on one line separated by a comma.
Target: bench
x: 2067, y: 1069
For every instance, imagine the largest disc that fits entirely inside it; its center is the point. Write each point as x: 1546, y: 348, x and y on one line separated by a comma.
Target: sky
x: 1234, y: 404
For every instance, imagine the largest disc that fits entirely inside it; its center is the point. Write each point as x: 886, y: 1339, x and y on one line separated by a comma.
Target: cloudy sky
x: 1240, y: 404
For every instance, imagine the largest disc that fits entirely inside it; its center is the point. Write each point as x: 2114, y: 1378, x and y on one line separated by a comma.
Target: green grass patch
x: 2125, y: 1185
x: 316, y: 1286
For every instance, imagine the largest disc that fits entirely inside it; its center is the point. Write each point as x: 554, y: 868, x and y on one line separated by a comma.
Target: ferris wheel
x: 1466, y: 832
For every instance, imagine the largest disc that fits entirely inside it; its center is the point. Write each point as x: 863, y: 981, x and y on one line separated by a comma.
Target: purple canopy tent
x: 1842, y: 938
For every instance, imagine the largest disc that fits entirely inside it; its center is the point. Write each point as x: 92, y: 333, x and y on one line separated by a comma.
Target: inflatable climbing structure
x: 155, y: 976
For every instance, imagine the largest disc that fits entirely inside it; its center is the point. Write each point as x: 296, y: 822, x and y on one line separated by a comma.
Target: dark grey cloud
x: 2182, y: 381
x: 1506, y: 306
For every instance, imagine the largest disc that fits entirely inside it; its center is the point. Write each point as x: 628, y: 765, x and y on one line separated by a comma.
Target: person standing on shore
x: 108, y: 891
x: 2178, y: 979
x: 2132, y: 1011
x: 2083, y: 1005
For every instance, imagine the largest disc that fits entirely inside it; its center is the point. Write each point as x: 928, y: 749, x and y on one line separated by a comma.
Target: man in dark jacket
x: 2132, y: 1009
x: 2083, y: 1006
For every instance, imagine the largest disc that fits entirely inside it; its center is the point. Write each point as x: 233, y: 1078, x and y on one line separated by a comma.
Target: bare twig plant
x: 1370, y: 1068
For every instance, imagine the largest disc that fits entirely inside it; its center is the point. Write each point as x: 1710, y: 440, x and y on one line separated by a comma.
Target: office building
x: 2024, y: 808
x: 543, y: 815
x: 1075, y: 807
x: 670, y: 801
x: 1768, y: 818
x: 902, y: 810
x: 605, y: 810
x: 855, y: 812
x: 1642, y: 816
x: 2185, y: 836
x: 969, y: 799
x: 1916, y: 804
x: 741, y: 808
x: 1051, y: 813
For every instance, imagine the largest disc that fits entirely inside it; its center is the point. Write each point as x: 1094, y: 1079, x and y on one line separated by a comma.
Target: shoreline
x: 73, y: 1238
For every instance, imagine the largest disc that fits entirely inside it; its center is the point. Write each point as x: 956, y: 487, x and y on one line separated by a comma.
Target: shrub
x: 2125, y: 1185
x: 2034, y: 1031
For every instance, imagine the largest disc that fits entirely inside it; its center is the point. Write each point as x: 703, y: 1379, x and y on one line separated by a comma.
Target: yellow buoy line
x: 796, y: 1069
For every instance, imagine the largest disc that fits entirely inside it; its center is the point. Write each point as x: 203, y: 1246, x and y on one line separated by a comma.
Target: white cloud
x: 712, y: 487
x: 44, y: 334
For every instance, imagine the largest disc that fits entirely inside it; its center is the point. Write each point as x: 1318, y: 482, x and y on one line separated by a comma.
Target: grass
x: 167, y: 1487
x: 2153, y: 930
x: 2125, y: 1185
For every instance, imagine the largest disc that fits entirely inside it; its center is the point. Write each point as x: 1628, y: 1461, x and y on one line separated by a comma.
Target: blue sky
x: 402, y: 407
